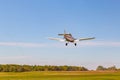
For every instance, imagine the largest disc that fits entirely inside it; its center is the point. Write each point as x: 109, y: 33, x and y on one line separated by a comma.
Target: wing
x: 58, y: 39
x: 81, y: 39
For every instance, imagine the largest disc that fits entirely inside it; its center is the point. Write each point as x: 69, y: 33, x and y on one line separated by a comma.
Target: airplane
x: 67, y: 37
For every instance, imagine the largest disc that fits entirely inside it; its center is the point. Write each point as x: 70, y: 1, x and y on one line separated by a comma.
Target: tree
x: 100, y: 68
x: 112, y: 68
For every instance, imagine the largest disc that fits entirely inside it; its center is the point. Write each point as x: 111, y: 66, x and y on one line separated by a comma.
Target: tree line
x: 24, y: 68
x: 112, y: 68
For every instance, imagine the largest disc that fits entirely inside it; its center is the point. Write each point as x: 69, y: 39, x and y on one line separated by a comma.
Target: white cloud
x: 21, y: 44
x: 101, y: 43
x: 59, y: 44
x: 13, y: 57
x: 18, y: 59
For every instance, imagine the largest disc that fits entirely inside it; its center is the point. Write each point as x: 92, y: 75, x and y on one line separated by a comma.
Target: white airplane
x: 69, y: 38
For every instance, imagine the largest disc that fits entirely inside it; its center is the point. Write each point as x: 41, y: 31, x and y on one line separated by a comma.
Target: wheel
x: 75, y: 44
x: 66, y: 44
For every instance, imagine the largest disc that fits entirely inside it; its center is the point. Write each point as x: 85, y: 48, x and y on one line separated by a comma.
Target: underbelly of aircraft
x: 70, y: 40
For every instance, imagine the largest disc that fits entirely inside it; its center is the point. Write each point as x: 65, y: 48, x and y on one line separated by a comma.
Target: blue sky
x: 26, y: 24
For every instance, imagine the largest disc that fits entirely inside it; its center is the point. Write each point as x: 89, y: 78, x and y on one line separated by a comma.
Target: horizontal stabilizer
x: 61, y: 34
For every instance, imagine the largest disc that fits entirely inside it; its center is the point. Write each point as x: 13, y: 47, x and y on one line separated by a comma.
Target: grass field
x: 67, y: 75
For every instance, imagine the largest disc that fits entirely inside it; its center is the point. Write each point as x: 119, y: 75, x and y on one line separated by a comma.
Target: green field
x: 63, y: 75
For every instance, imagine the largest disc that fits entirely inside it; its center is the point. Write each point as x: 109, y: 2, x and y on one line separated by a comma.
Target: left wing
x: 58, y: 39
x: 81, y: 39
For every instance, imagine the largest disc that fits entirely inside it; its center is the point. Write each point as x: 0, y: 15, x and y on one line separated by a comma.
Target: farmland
x: 61, y: 75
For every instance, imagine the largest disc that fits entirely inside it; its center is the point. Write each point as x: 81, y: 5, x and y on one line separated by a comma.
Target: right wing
x: 82, y: 39
x: 57, y: 39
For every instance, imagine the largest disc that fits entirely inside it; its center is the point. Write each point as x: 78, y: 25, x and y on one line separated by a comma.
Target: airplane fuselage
x: 69, y: 38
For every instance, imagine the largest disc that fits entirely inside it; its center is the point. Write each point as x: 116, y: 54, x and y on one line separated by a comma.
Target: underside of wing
x: 82, y: 39
x: 57, y: 39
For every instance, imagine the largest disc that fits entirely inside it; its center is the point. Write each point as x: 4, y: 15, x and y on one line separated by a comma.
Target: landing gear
x: 66, y: 44
x: 75, y: 44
